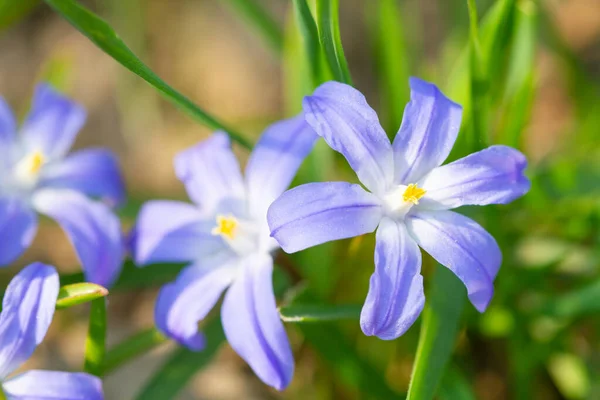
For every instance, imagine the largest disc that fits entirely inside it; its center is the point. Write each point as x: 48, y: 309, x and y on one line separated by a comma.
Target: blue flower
x: 36, y: 174
x: 226, y: 238
x: 408, y: 201
x: 27, y: 311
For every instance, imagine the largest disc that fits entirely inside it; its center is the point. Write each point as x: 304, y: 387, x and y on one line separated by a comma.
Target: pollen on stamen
x: 35, y: 162
x: 226, y: 226
x: 413, y: 193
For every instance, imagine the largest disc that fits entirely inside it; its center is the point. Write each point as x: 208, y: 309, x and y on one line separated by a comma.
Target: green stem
x: 329, y: 34
x: 131, y: 348
x: 2, y: 394
x: 95, y: 343
x: 310, y: 36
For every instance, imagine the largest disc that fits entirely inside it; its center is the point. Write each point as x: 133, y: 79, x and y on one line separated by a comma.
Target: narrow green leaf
x: 455, y: 386
x: 311, y: 313
x: 391, y: 55
x: 182, y: 366
x: 11, y: 11
x: 79, y: 293
x: 95, y: 343
x: 131, y: 348
x: 310, y: 36
x: 329, y: 35
x: 478, y: 82
x: 101, y: 34
x: 574, y: 304
x: 439, y: 329
x: 260, y: 21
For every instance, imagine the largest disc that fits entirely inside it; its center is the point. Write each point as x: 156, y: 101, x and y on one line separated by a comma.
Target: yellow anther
x: 34, y: 162
x: 226, y: 226
x: 413, y: 193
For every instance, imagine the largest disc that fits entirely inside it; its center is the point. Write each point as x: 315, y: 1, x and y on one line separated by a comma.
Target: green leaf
x: 310, y: 37
x: 455, y: 386
x: 79, y: 293
x: 95, y: 343
x: 570, y: 375
x: 101, y: 34
x: 329, y: 35
x: 11, y: 11
x: 131, y: 348
x: 574, y: 304
x: 314, y: 313
x: 182, y: 366
x: 439, y: 329
x: 260, y: 21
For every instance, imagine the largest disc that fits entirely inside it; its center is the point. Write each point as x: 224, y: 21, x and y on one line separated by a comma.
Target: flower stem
x: 95, y: 343
x: 131, y: 348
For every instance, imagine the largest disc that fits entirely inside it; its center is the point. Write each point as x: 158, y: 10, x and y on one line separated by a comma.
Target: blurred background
x: 540, y: 338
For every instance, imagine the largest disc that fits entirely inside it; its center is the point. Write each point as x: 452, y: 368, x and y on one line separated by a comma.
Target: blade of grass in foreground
x: 131, y: 348
x: 329, y: 33
x: 101, y: 34
x: 311, y: 313
x: 439, y: 329
x: 95, y: 343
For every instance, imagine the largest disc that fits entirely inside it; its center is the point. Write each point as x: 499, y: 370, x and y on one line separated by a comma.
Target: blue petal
x: 275, y: 160
x: 47, y: 385
x: 18, y: 224
x: 429, y: 128
x: 396, y: 296
x: 463, y: 246
x: 94, y: 172
x: 27, y: 310
x: 92, y: 228
x: 316, y: 213
x: 53, y: 123
x: 252, y: 324
x: 172, y: 231
x: 210, y: 172
x: 8, y: 126
x: 340, y: 115
x: 185, y: 302
x: 491, y: 176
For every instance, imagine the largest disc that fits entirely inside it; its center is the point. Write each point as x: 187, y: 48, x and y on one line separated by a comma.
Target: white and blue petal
x: 53, y: 385
x: 463, y: 246
x: 94, y: 172
x: 27, y: 311
x: 172, y: 231
x: 340, y: 115
x: 210, y: 172
x: 8, y: 126
x: 429, y: 129
x: 491, y: 176
x: 275, y: 160
x: 316, y: 213
x: 93, y: 229
x: 396, y: 297
x: 52, y: 124
x: 186, y: 301
x: 252, y: 324
x: 18, y: 224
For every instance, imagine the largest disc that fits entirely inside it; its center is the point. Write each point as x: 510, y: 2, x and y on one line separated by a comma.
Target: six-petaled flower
x: 408, y: 199
x: 226, y: 238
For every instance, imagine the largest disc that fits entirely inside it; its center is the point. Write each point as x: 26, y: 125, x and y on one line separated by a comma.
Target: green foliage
x: 329, y: 36
x: 311, y: 313
x: 79, y: 293
x: 95, y: 343
x: 131, y: 348
x: 11, y: 11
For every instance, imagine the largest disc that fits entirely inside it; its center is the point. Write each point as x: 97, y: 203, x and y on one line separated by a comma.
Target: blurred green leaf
x: 131, y: 348
x: 95, y: 343
x: 392, y: 58
x: 79, y: 293
x: 260, y: 21
x: 311, y: 313
x: 12, y: 11
x: 439, y: 330
x: 478, y: 82
x: 570, y: 376
x: 101, y: 34
x: 455, y: 386
x: 574, y: 304
x: 182, y: 366
x: 329, y: 36
x: 310, y: 37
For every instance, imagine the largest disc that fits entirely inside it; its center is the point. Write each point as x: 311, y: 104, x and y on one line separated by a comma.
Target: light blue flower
x: 408, y: 199
x: 36, y: 174
x: 226, y: 238
x: 27, y: 311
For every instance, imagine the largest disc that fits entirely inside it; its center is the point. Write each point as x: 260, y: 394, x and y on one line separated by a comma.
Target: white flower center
x: 398, y: 202
x: 241, y: 235
x: 20, y: 177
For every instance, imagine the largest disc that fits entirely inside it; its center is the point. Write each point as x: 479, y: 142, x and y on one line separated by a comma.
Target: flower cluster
x: 236, y: 223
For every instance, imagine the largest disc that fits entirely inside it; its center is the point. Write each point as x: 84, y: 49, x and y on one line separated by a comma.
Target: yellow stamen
x: 413, y: 193
x: 226, y: 226
x: 34, y: 162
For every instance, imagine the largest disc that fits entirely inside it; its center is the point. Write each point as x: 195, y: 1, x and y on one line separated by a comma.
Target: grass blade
x: 131, y: 348
x: 260, y: 21
x: 95, y: 343
x: 329, y: 35
x: 314, y: 313
x: 439, y: 329
x: 310, y: 36
x: 103, y: 36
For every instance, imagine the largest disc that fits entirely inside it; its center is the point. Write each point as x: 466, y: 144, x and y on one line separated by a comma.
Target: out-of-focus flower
x: 226, y: 238
x: 36, y: 174
x: 408, y: 203
x: 27, y: 311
